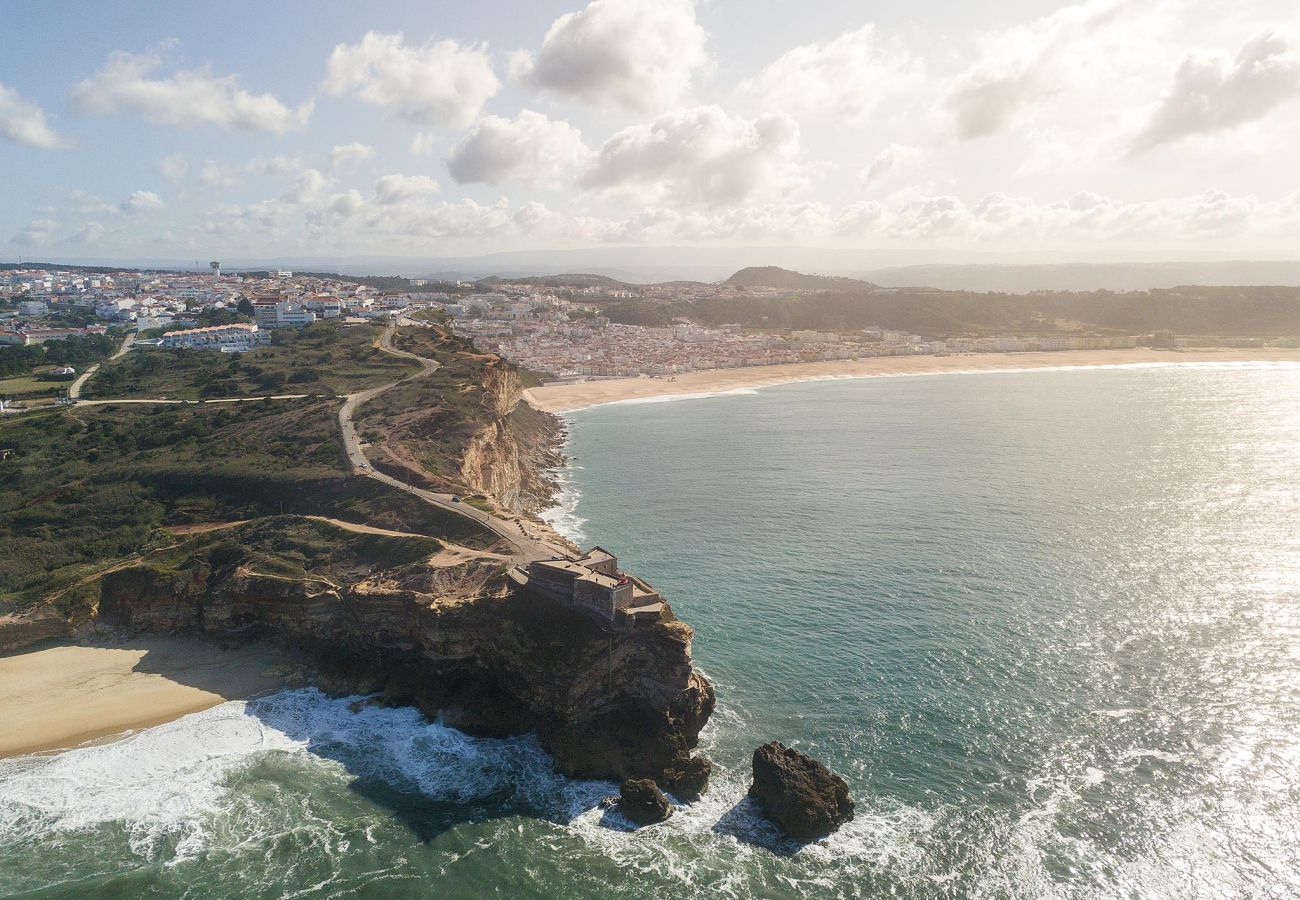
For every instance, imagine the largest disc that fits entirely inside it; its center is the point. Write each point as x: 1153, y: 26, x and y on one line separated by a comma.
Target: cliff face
x: 508, y: 459
x: 456, y: 642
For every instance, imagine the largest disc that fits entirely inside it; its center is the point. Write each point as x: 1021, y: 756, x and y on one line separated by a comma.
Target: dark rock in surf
x: 688, y: 779
x: 805, y: 798
x: 641, y: 801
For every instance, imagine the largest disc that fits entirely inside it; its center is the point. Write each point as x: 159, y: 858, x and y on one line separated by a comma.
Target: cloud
x: 141, y: 201
x: 90, y: 233
x: 634, y: 55
x: 36, y: 232
x: 846, y: 77
x: 1023, y: 65
x: 346, y: 157
x: 442, y: 84
x: 184, y: 98
x: 529, y: 148
x: 173, y: 167
x: 422, y: 144
x: 701, y: 155
x: 1212, y: 92
x: 400, y: 188
x: 893, y: 159
x: 24, y: 122
x: 220, y: 174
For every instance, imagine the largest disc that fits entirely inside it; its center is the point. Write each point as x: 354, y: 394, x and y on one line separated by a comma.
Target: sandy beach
x: 62, y: 696
x: 568, y: 397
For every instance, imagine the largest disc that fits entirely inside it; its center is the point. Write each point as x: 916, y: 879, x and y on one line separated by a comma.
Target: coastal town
x: 561, y: 334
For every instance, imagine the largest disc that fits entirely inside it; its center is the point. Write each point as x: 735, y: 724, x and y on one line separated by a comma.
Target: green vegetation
x: 86, y: 486
x: 434, y: 417
x: 1188, y: 310
x: 325, y: 358
x: 79, y: 352
x: 24, y: 386
x: 293, y: 547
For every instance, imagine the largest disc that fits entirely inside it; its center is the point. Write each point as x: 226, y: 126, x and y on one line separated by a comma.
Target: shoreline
x: 61, y: 696
x: 566, y: 398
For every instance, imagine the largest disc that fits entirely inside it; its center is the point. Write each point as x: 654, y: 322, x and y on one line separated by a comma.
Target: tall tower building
x: 216, y: 268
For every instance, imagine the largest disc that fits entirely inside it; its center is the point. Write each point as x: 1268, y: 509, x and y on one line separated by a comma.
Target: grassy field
x: 325, y: 358
x: 22, y: 386
x: 86, y: 486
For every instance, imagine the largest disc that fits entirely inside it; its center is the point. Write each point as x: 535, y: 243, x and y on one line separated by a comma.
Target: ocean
x: 1046, y: 624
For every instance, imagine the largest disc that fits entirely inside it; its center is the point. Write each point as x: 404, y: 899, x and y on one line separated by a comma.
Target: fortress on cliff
x: 593, y: 584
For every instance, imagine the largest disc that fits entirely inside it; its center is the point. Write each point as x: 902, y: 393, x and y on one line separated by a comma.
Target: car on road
x: 455, y: 499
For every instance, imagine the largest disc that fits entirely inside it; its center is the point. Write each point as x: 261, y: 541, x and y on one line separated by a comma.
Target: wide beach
x: 62, y: 696
x: 560, y: 398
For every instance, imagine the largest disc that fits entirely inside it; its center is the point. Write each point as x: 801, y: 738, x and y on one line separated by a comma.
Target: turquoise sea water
x: 1046, y: 624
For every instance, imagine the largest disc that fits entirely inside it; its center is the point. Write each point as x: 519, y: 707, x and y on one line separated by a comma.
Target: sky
x: 1008, y: 130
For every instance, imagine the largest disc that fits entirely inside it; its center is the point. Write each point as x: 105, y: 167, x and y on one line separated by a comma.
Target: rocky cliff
x: 454, y: 639
x: 509, y: 458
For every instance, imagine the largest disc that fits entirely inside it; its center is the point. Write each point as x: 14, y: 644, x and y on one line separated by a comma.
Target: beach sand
x: 61, y: 696
x: 568, y: 397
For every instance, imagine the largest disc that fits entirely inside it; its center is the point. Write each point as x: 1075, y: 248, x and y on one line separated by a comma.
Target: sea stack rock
x: 688, y: 779
x: 798, y: 793
x: 641, y: 801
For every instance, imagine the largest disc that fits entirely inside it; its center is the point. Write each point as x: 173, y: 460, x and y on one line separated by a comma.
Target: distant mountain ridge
x: 786, y: 279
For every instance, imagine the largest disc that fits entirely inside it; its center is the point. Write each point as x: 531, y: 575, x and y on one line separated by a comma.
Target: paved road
x: 524, y: 547
x: 74, y: 389
x: 199, y: 402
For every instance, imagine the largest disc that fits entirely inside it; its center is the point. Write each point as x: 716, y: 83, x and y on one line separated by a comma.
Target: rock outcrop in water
x: 642, y: 803
x: 805, y: 798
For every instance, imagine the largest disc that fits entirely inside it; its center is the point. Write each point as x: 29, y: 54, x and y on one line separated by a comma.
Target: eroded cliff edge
x: 408, y: 613
x: 458, y: 643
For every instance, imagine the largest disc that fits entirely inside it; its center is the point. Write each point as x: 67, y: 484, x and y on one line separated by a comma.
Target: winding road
x: 74, y: 389
x: 524, y: 547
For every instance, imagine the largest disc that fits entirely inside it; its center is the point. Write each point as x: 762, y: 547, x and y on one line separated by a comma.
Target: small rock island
x: 795, y: 791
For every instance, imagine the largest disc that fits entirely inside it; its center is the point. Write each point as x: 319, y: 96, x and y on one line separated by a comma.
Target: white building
x: 234, y: 338
x: 281, y: 314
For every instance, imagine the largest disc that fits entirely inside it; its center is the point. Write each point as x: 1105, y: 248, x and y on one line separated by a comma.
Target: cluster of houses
x: 175, y: 301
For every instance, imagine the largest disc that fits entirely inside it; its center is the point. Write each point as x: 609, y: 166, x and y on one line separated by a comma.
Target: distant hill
x: 1135, y: 276
x: 785, y: 279
x: 580, y: 279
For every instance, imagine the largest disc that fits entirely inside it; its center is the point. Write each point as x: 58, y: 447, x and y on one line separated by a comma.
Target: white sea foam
x: 178, y: 790
x: 563, y: 516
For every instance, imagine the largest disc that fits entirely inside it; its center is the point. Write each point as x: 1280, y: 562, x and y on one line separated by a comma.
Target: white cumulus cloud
x: 846, y: 77
x: 1213, y: 92
x: 173, y: 167
x: 893, y: 159
x: 1025, y: 64
x: 391, y: 189
x: 701, y: 155
x: 444, y: 83
x: 36, y: 232
x: 634, y: 55
x: 128, y: 82
x: 346, y: 157
x: 141, y: 201
x: 24, y: 122
x: 530, y: 148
